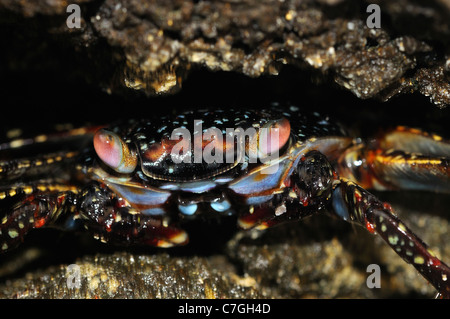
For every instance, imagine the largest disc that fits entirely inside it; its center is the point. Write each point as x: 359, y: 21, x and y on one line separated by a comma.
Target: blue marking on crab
x: 188, y: 210
x: 221, y: 206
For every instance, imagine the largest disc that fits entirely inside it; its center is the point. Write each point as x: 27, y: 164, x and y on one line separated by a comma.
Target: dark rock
x: 151, y: 46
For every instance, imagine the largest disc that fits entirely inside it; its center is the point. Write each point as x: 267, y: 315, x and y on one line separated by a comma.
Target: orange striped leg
x: 401, y: 159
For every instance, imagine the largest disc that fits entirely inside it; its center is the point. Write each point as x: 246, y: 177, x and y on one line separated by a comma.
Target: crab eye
x: 114, y: 152
x: 275, y: 136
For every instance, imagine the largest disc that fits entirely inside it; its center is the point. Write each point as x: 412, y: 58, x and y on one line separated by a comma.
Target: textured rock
x: 124, y: 275
x: 151, y: 46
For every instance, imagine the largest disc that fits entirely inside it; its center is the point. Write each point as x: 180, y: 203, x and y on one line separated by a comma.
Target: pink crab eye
x: 275, y: 136
x: 114, y: 152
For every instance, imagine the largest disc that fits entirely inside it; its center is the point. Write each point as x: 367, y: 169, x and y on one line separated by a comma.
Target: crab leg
x: 14, y: 168
x: 55, y: 137
x: 402, y: 159
x: 17, y: 155
x: 414, y: 141
x: 314, y: 187
x: 354, y: 204
x: 38, y: 206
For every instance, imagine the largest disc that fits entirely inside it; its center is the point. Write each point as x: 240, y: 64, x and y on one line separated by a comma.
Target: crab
x: 136, y: 182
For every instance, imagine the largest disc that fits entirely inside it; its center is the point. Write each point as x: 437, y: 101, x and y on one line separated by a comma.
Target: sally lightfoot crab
x: 136, y: 183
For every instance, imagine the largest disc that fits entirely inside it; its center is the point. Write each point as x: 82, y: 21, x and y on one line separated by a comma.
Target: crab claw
x: 114, y: 152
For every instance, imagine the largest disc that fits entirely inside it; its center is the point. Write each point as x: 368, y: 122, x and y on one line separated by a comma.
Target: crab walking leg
x: 15, y: 168
x: 414, y: 141
x: 402, y: 159
x: 57, y: 136
x: 35, y: 211
x: 395, y: 170
x: 354, y: 204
